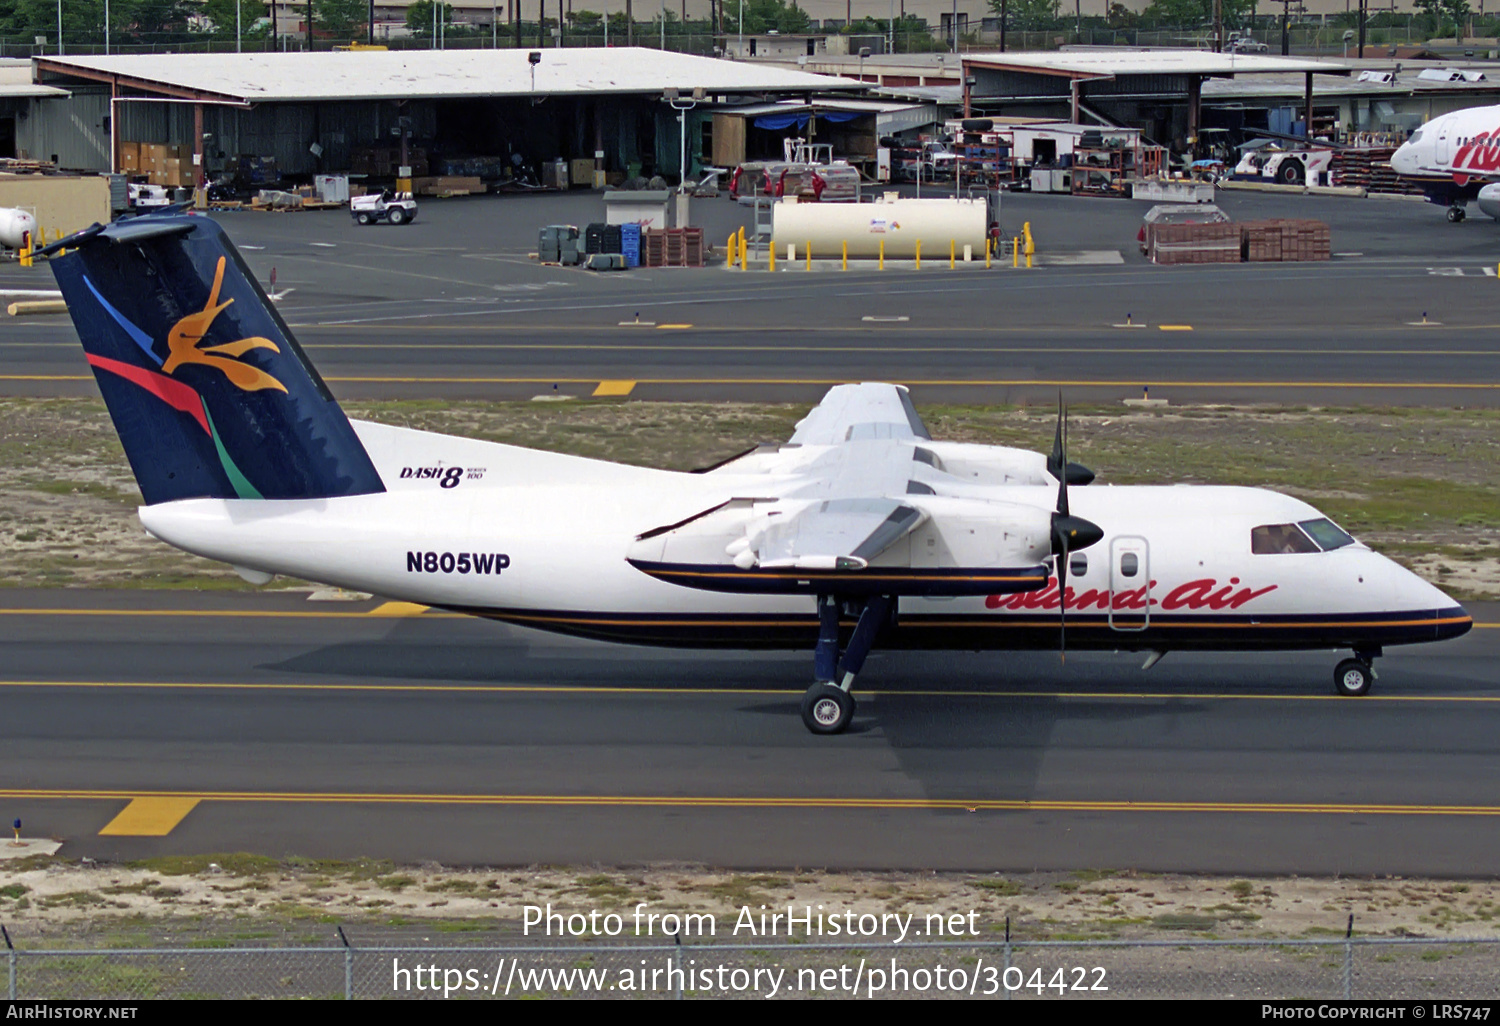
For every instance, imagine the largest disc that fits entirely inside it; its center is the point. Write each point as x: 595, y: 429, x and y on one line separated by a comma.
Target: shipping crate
x: 581, y: 173
x: 654, y: 247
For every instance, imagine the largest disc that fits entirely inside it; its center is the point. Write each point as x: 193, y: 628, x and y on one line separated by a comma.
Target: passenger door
x: 1129, y: 584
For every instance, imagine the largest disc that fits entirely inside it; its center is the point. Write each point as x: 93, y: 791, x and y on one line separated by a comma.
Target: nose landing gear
x: 1354, y: 677
x: 828, y: 707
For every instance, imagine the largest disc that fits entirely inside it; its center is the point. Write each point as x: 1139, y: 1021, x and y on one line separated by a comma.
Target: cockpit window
x: 1327, y: 534
x: 1416, y: 136
x: 1280, y: 539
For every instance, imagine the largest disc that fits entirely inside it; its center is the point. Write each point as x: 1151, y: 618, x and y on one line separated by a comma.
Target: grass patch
x: 149, y: 888
x: 395, y: 882
x: 1004, y: 888
x: 1184, y: 921
x: 746, y: 890
x: 602, y: 885
x: 231, y: 863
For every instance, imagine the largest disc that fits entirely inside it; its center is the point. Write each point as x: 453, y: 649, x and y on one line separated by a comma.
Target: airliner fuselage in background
x: 860, y: 530
x: 1456, y: 158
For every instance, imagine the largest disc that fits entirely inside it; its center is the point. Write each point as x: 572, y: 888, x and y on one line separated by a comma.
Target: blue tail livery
x: 210, y: 394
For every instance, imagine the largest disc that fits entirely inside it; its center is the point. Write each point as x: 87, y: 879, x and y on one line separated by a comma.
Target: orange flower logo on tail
x: 186, y: 334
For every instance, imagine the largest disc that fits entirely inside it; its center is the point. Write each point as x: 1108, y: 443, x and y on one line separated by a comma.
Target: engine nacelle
x: 989, y: 464
x: 14, y: 224
x: 1489, y: 200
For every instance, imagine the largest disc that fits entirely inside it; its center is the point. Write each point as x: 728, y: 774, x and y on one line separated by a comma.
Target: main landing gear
x: 1354, y: 677
x: 1457, y: 213
x: 828, y: 708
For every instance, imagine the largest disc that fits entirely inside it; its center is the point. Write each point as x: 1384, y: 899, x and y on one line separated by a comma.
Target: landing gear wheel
x: 397, y: 216
x: 1457, y: 214
x: 827, y: 709
x: 362, y: 218
x: 1353, y: 678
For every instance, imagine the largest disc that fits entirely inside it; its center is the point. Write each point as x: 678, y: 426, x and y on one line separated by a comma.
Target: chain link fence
x: 1328, y: 969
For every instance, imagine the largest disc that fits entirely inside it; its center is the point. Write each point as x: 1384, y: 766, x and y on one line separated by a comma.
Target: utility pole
x: 1218, y: 26
x: 1362, y: 10
x: 309, y: 26
x: 1002, y: 25
x: 1286, y: 30
x: 629, y: 25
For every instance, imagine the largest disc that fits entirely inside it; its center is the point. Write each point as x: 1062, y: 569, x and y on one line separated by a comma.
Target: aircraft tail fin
x: 209, y: 392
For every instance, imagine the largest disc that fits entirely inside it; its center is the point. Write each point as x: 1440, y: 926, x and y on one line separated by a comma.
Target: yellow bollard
x: 809, y: 254
x: 1015, y: 251
x: 729, y: 248
x: 952, y: 250
x: 882, y: 254
x: 744, y: 250
x: 771, y: 252
x: 846, y: 254
x: 919, y: 254
x: 987, y: 246
x: 1030, y: 243
x: 25, y: 252
x: 41, y: 238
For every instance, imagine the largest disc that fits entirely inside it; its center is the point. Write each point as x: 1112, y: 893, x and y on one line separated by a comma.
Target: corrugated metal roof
x: 434, y: 74
x: 1151, y: 62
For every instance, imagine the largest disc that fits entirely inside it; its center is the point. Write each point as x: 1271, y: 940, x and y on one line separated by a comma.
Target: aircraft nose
x: 1403, y: 161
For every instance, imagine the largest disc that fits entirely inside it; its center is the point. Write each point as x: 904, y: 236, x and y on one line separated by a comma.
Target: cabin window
x: 1078, y: 564
x: 1326, y: 533
x: 1130, y: 564
x: 1279, y: 539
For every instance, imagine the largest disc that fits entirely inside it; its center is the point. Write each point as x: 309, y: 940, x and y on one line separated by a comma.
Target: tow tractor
x: 1289, y: 167
x: 395, y: 207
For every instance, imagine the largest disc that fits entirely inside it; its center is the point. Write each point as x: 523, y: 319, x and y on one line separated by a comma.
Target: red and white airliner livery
x: 861, y: 530
x: 1457, y: 158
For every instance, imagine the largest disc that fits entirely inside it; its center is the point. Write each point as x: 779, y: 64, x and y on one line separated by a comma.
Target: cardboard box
x: 130, y: 156
x: 581, y: 173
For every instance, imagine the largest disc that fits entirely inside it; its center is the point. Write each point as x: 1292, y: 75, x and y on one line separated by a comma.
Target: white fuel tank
x: 14, y: 224
x: 899, y: 223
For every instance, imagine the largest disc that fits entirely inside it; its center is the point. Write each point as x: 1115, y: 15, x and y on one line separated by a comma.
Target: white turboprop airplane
x: 861, y: 530
x: 1456, y: 157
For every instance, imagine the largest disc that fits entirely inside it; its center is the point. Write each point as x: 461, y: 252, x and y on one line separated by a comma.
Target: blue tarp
x: 781, y: 122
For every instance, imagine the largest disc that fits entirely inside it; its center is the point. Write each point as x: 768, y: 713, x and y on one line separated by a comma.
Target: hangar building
x: 328, y: 112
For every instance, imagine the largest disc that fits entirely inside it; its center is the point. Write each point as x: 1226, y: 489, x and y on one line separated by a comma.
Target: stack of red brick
x: 1279, y: 239
x: 1286, y: 239
x: 1194, y: 243
x: 672, y: 247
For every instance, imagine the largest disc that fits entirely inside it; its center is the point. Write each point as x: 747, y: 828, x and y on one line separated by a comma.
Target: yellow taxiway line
x: 159, y: 801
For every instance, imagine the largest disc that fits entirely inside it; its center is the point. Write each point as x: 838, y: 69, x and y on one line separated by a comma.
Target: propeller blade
x: 1057, y: 462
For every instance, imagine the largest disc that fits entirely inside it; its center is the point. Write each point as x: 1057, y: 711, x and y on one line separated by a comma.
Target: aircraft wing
x: 840, y: 534
x: 851, y: 413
